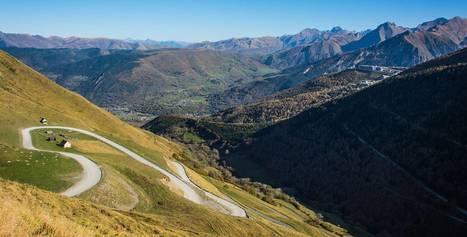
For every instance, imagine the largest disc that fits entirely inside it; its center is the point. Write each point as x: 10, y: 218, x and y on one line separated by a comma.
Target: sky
x: 199, y: 20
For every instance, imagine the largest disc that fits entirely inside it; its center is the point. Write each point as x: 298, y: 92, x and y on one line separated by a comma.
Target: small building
x: 51, y: 139
x: 383, y: 77
x: 366, y: 68
x: 65, y: 144
x: 43, y: 121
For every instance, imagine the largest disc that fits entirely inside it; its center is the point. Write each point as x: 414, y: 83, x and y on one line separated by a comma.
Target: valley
x: 140, y: 84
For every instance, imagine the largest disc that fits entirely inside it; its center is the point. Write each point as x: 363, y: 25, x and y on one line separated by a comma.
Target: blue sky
x: 197, y: 20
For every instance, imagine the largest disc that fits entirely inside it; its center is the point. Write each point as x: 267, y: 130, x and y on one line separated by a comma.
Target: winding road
x: 92, y: 173
x: 230, y: 205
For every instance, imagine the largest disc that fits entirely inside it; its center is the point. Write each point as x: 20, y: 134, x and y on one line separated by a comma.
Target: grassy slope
x: 29, y: 211
x: 162, y: 201
x: 42, y: 169
x: 25, y: 96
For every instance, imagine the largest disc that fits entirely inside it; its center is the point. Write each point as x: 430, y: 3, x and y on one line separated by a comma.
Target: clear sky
x: 198, y: 20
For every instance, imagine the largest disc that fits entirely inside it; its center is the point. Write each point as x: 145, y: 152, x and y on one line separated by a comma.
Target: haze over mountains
x: 346, y: 40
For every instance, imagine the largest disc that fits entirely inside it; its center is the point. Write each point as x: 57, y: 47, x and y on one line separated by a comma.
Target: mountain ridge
x: 451, y: 32
x: 381, y: 33
x: 38, y: 41
x: 402, y: 50
x: 270, y: 44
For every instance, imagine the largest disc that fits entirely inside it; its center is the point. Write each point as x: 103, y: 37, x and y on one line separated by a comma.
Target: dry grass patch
x: 28, y: 211
x: 172, y: 187
x: 203, y: 183
x: 114, y: 190
x: 89, y: 146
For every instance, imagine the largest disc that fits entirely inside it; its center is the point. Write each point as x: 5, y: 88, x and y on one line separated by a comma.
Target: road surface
x: 92, y: 173
x: 231, y: 206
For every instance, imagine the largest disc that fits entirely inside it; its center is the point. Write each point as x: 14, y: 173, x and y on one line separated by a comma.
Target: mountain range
x: 426, y: 41
x: 37, y: 41
x: 265, y: 45
x: 405, y: 49
x: 209, y: 77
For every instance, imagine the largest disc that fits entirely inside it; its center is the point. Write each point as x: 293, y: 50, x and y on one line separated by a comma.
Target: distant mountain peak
x: 429, y: 24
x: 336, y: 29
x: 442, y: 19
x: 308, y: 31
x: 381, y: 33
x: 38, y: 41
x: 386, y: 25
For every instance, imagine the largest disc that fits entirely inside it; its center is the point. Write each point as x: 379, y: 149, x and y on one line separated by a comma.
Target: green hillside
x: 288, y: 103
x: 390, y: 157
x: 150, y: 207
x: 134, y: 84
